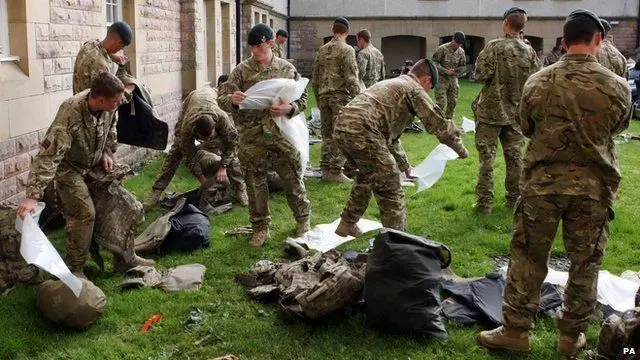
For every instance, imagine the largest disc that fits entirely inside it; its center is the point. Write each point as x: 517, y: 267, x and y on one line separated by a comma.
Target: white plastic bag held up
x: 273, y: 91
x: 431, y: 169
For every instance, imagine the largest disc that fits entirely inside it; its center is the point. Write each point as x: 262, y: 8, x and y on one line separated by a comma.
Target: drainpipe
x: 289, y: 28
x: 238, y: 33
x: 638, y: 27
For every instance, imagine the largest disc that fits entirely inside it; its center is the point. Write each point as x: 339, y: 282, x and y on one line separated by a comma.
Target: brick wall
x: 304, y: 45
x: 624, y: 36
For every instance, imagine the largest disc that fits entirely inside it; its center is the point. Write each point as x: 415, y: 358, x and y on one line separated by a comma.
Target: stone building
x: 412, y: 29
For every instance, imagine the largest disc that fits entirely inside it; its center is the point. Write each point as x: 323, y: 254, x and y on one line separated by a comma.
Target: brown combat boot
x: 259, y: 237
x: 569, y: 345
x: 502, y: 338
x: 335, y: 177
x: 345, y: 229
x: 302, y: 227
x: 482, y: 209
x: 120, y: 266
x: 152, y: 199
x: 243, y: 198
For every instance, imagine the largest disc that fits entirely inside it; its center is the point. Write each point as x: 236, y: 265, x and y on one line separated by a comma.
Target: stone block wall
x: 625, y: 37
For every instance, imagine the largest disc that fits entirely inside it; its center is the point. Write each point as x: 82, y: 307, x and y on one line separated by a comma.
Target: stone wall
x: 625, y: 36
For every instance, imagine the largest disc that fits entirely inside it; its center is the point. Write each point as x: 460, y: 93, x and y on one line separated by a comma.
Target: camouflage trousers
x: 585, y: 231
x: 446, y: 93
x: 259, y: 151
x: 487, y: 137
x: 377, y: 174
x: 332, y: 159
x: 209, y: 163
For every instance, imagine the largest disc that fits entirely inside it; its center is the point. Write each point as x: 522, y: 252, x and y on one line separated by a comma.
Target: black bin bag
x: 190, y: 230
x: 402, y: 284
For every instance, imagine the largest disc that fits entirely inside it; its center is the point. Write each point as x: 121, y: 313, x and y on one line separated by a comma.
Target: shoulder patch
x: 45, y: 144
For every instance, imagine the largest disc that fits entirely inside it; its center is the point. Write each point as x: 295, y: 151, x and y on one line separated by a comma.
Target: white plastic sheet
x: 468, y: 125
x: 323, y: 237
x: 431, y: 169
x: 36, y: 249
x: 268, y: 92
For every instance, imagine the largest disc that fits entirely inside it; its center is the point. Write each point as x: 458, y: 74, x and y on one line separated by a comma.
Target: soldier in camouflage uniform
x: 335, y: 83
x: 97, y: 56
x: 368, y: 131
x: 370, y: 60
x: 260, y: 137
x: 503, y: 66
x: 204, y: 121
x: 279, y: 49
x: 82, y: 136
x: 452, y: 63
x: 553, y: 56
x: 571, y: 174
x: 609, y: 56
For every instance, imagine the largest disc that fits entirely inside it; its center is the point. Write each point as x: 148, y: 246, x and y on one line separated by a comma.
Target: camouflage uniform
x: 335, y: 83
x: 73, y: 145
x: 370, y: 65
x: 571, y: 174
x: 447, y: 89
x: 611, y: 58
x: 92, y: 59
x: 208, y: 157
x: 261, y: 140
x: 552, y: 58
x: 503, y: 65
x: 368, y: 131
x: 279, y: 51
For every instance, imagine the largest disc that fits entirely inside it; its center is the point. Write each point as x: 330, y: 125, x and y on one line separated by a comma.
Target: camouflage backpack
x: 13, y: 268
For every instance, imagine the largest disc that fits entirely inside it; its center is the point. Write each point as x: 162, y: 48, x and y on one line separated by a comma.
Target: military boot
x: 569, y: 345
x: 502, y: 338
x: 482, y: 208
x: 302, y: 227
x: 510, y: 203
x: 152, y: 199
x: 243, y: 198
x: 259, y: 237
x: 120, y: 266
x: 335, y: 177
x: 345, y: 229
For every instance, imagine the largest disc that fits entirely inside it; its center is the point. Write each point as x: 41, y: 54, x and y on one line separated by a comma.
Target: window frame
x: 117, y: 4
x: 4, y: 31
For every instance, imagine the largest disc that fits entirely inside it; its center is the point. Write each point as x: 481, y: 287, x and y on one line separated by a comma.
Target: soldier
x: 260, y: 138
x: 553, y: 56
x: 368, y: 131
x: 571, y: 174
x: 370, y: 60
x: 82, y: 135
x: 503, y: 65
x: 609, y: 56
x: 278, y: 49
x: 452, y: 63
x: 335, y: 83
x: 408, y: 64
x: 97, y: 56
x: 204, y: 121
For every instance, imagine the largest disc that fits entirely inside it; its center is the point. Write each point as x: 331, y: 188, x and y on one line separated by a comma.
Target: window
x: 271, y: 23
x: 256, y: 18
x: 114, y: 11
x: 264, y: 18
x: 4, y: 29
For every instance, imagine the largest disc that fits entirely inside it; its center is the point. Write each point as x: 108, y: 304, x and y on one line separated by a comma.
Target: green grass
x: 236, y: 324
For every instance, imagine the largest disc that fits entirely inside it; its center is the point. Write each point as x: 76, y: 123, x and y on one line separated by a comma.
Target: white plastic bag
x: 296, y: 131
x: 35, y: 215
x: 36, y: 249
x: 468, y: 125
x: 323, y: 237
x: 431, y: 169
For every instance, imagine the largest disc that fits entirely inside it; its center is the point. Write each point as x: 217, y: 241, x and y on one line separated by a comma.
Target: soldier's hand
x: 409, y: 173
x: 464, y: 153
x: 129, y: 88
x: 107, y: 162
x: 238, y: 97
x: 26, y: 206
x: 281, y: 109
x: 449, y: 71
x: 202, y: 180
x: 221, y: 175
x: 119, y: 58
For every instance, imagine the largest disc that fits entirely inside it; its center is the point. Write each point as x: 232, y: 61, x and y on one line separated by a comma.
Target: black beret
x: 343, y: 21
x: 124, y: 30
x: 282, y: 33
x: 434, y: 72
x: 459, y: 37
x: 588, y: 14
x: 606, y: 25
x: 514, y: 9
x: 259, y: 34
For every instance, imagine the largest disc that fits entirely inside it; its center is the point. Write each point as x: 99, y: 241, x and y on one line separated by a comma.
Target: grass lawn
x: 235, y: 324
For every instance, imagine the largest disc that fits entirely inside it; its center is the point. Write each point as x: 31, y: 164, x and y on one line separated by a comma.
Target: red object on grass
x: 152, y: 320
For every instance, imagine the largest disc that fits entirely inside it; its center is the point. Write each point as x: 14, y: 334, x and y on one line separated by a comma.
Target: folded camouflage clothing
x: 13, y: 269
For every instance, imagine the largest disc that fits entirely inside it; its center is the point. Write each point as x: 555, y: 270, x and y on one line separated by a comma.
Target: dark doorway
x: 537, y: 43
x: 398, y: 48
x: 472, y: 46
x: 351, y: 40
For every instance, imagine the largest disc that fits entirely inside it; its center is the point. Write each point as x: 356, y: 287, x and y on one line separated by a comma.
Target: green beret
x: 588, y: 14
x: 459, y: 37
x: 124, y: 30
x: 259, y: 34
x: 434, y: 72
x: 282, y: 33
x: 606, y: 25
x: 343, y: 21
x: 514, y: 9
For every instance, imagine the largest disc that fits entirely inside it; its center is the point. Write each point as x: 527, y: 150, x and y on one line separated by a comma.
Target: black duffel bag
x: 190, y: 230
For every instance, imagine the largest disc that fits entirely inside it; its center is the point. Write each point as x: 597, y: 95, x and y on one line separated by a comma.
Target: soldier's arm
x: 92, y: 68
x: 438, y: 58
x: 400, y: 155
x: 527, y: 126
x: 626, y: 109
x: 383, y: 70
x: 363, y: 61
x: 537, y: 64
x: 351, y: 73
x: 485, y: 65
x: 434, y: 121
x: 111, y: 144
x: 56, y: 143
x: 301, y: 104
x: 233, y: 84
x: 315, y: 77
x: 186, y: 143
x: 229, y: 138
x: 461, y: 69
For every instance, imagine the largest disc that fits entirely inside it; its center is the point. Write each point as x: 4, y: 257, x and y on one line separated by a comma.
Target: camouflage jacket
x: 198, y: 103
x: 387, y: 108
x: 370, y: 65
x: 571, y: 110
x: 279, y: 51
x: 445, y: 57
x: 244, y: 76
x: 504, y: 65
x: 92, y: 59
x: 76, y: 138
x: 552, y: 58
x: 335, y: 71
x: 611, y: 58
